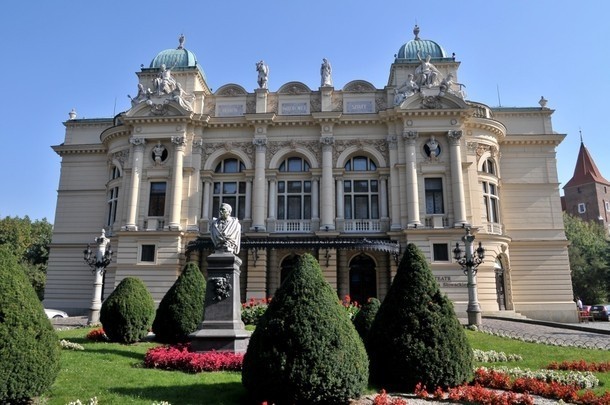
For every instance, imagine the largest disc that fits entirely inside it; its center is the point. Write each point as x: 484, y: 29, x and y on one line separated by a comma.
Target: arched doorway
x: 500, y: 289
x: 362, y: 278
x: 288, y: 264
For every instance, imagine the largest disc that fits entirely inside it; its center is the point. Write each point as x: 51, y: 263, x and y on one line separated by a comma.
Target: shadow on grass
x: 231, y: 393
x: 118, y: 352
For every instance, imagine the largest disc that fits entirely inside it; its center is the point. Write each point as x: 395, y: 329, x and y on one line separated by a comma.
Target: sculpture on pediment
x: 446, y: 87
x: 409, y: 88
x: 183, y: 98
x: 427, y: 74
x: 142, y: 95
x: 164, y: 83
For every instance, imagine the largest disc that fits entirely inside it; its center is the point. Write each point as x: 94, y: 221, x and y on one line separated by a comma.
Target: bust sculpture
x: 225, y: 231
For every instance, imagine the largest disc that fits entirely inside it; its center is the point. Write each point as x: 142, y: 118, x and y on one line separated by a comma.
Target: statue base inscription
x: 222, y: 328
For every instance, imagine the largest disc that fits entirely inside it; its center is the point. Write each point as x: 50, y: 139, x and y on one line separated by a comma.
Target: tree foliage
x: 181, y: 309
x: 305, y: 349
x: 29, y: 346
x: 28, y: 241
x: 589, y: 253
x: 416, y: 336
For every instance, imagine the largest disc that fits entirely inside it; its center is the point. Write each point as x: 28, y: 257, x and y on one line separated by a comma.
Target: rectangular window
x: 147, y: 253
x: 156, y: 204
x: 440, y: 252
x: 434, y: 195
x: 582, y: 208
x: 607, y: 204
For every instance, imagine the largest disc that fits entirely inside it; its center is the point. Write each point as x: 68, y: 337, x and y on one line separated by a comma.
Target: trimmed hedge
x: 29, y: 347
x: 305, y: 349
x: 363, y: 321
x: 127, y: 314
x: 416, y: 336
x: 180, y: 311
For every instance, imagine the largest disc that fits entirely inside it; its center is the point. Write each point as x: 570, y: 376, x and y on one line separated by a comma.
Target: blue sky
x: 60, y: 55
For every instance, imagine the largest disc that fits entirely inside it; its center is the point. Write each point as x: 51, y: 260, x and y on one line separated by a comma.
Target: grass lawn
x: 114, y: 373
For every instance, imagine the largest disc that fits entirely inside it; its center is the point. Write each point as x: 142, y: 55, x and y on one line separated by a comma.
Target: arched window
x: 360, y: 189
x: 489, y: 167
x: 293, y: 195
x: 362, y: 278
x: 230, y: 187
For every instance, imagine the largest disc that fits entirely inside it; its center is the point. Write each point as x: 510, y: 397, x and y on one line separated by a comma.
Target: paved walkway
x: 591, y: 334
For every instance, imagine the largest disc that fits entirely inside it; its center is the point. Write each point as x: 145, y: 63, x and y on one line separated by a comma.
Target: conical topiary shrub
x: 127, y: 314
x: 416, y: 336
x: 29, y: 346
x: 181, y: 310
x: 365, y: 317
x: 305, y: 349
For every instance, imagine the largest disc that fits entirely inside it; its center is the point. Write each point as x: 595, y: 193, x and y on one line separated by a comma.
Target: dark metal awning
x: 379, y: 245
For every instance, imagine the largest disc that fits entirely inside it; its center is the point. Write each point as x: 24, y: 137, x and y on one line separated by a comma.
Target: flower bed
x: 180, y: 357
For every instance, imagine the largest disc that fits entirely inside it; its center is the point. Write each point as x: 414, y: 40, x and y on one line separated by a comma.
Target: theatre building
x: 350, y: 174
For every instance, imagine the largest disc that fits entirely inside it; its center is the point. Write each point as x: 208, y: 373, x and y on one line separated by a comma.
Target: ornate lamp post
x: 469, y: 262
x: 98, y: 264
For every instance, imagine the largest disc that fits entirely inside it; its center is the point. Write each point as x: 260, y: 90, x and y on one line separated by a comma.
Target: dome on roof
x: 175, y: 58
x: 425, y: 47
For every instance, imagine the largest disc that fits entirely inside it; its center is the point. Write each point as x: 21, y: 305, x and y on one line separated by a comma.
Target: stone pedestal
x: 222, y: 328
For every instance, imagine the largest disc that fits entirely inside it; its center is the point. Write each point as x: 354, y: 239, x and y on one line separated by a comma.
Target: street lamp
x: 98, y: 264
x: 469, y: 263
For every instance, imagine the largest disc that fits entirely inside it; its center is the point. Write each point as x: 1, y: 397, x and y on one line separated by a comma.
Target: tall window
x: 491, y: 201
x: 489, y: 167
x: 113, y: 195
x: 361, y: 189
x: 113, y: 199
x: 434, y: 195
x: 293, y: 194
x: 156, y: 204
x: 229, y: 189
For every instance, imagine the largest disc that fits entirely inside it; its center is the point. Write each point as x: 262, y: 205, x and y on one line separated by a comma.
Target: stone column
x: 194, y: 209
x: 248, y: 198
x: 258, y: 198
x: 457, y: 178
x: 383, y: 197
x: 272, y: 198
x: 136, y: 172
x: 394, y: 183
x: 222, y: 328
x: 176, y: 203
x: 340, y: 201
x: 315, y: 199
x: 327, y: 193
x: 412, y: 187
x: 205, y: 211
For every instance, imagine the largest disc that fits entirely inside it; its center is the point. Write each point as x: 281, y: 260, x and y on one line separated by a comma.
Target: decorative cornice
x: 554, y: 139
x: 62, y: 150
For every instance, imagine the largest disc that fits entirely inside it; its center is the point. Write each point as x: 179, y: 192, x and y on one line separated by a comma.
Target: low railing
x: 362, y: 225
x: 292, y: 226
x: 494, y: 228
x: 154, y: 224
x: 436, y: 221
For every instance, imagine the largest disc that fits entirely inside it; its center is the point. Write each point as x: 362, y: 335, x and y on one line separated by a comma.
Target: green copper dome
x: 177, y: 59
x: 408, y: 52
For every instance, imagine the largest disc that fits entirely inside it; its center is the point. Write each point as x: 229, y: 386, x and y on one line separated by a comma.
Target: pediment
x: 151, y: 108
x: 231, y: 90
x: 292, y: 88
x: 359, y: 86
x: 433, y: 101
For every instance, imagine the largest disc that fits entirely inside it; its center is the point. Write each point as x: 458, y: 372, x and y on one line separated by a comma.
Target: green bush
x: 29, y: 347
x: 180, y: 311
x: 416, y: 336
x: 365, y: 317
x: 128, y: 312
x: 305, y: 350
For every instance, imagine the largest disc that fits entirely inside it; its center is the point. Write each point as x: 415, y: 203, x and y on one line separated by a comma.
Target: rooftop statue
x: 427, y: 74
x: 164, y: 83
x: 326, y: 73
x: 263, y: 73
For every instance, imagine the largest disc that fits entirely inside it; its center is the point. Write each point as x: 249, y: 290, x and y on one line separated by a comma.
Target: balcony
x: 493, y: 228
x: 154, y: 224
x: 293, y: 225
x: 362, y: 225
x: 436, y: 221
